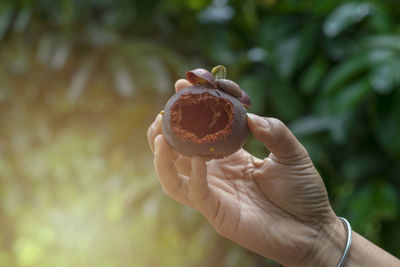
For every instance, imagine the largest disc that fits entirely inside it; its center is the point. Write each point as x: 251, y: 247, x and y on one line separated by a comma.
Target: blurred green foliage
x: 80, y: 81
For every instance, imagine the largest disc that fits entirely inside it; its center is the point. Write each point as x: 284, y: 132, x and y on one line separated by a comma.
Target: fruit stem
x: 219, y: 72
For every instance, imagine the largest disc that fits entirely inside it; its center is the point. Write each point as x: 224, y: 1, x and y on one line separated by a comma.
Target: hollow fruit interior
x: 202, y: 118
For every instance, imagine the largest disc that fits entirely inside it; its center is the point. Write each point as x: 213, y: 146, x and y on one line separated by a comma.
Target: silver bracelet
x: 348, y: 243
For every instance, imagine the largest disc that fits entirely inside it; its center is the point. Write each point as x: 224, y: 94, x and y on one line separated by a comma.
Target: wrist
x: 328, y: 247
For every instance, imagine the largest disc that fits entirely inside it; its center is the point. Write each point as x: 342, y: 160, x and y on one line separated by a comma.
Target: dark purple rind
x: 229, y: 87
x: 245, y: 99
x: 223, y: 147
x: 201, y: 76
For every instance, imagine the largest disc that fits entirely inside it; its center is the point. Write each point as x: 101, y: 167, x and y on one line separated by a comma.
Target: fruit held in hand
x: 209, y: 118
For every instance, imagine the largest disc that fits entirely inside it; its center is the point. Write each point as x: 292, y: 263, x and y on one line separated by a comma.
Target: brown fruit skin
x: 229, y: 87
x: 223, y: 147
x: 201, y: 76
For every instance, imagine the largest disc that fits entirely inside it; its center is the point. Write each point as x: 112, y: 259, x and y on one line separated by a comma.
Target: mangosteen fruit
x: 208, y: 118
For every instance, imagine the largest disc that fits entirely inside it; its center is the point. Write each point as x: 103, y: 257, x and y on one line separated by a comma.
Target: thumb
x: 276, y: 137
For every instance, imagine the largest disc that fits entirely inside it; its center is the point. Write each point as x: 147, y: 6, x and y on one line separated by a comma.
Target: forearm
x: 365, y: 253
x: 362, y: 252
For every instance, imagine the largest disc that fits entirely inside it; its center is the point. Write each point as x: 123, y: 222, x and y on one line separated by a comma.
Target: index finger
x: 153, y: 131
x: 155, y: 128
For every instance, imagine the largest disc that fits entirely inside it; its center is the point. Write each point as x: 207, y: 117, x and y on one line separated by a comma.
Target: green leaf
x: 285, y: 101
x: 380, y: 55
x: 350, y: 96
x: 271, y: 31
x: 358, y: 167
x: 314, y: 124
x: 385, y: 200
x: 361, y: 204
x: 6, y: 16
x: 371, y: 203
x: 384, y: 41
x: 388, y: 129
x: 344, y: 16
x: 22, y: 20
x: 384, y: 77
x: 257, y: 91
x: 123, y: 80
x: 313, y: 76
x: 344, y: 100
x: 286, y: 54
x: 294, y: 51
x: 344, y: 72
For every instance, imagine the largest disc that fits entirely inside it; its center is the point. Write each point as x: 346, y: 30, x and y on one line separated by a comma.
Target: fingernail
x: 261, y: 122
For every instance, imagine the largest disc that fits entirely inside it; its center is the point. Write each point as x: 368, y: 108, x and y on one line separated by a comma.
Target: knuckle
x: 277, y: 124
x: 300, y: 156
x: 305, y: 155
x: 278, y: 130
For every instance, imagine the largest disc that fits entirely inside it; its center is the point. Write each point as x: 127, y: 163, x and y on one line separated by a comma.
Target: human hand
x: 277, y: 206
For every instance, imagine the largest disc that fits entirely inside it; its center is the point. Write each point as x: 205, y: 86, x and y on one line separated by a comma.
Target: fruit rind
x: 221, y: 147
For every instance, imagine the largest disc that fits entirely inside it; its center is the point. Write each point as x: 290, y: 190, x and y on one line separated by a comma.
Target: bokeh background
x: 80, y: 81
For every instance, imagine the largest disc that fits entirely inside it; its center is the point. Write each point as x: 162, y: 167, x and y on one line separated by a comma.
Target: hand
x: 277, y: 206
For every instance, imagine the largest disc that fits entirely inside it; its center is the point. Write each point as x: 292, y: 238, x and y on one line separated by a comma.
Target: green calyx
x: 219, y: 72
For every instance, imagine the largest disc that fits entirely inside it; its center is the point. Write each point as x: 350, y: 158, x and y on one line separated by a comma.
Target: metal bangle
x: 348, y: 243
